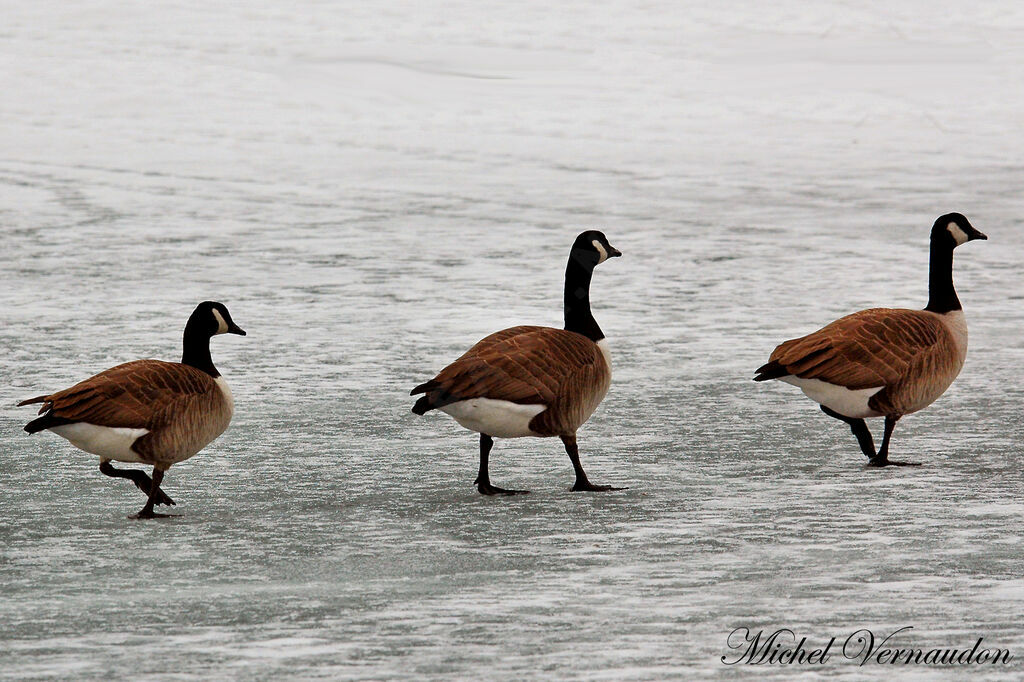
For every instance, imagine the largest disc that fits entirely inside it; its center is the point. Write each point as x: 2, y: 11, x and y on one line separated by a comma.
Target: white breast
x: 223, y: 386
x: 607, y: 353
x: 106, y: 441
x: 497, y: 418
x: 591, y: 402
x: 956, y: 323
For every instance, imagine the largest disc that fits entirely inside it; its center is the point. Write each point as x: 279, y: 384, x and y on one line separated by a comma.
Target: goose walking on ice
x: 885, y: 362
x: 148, y: 411
x: 533, y: 381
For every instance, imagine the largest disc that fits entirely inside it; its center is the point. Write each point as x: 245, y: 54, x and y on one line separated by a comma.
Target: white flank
x: 222, y: 384
x: 106, y: 441
x: 497, y: 418
x: 852, y: 403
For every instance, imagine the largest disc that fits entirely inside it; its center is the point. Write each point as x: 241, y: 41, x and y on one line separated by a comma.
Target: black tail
x: 47, y: 421
x: 771, y: 370
x: 423, y: 405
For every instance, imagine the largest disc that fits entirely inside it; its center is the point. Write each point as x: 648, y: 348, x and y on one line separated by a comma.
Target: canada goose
x: 533, y: 381
x: 883, y: 361
x: 148, y: 411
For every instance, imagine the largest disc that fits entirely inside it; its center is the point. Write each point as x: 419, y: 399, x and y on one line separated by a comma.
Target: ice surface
x: 370, y: 188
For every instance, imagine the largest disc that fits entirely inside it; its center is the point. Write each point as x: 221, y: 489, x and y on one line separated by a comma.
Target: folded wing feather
x: 528, y: 366
x: 144, y: 394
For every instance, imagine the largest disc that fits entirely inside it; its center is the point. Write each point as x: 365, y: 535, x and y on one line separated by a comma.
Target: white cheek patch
x: 222, y: 326
x: 600, y: 250
x: 959, y: 235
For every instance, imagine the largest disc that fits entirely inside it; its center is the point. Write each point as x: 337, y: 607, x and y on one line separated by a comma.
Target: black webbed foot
x: 488, y: 489
x: 886, y: 462
x: 587, y: 486
x: 152, y: 515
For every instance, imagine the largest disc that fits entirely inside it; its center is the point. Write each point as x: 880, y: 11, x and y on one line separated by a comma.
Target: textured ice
x: 371, y: 188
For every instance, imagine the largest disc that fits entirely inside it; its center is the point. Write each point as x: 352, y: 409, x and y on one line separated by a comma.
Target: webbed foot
x: 488, y: 489
x: 886, y: 462
x: 587, y: 486
x: 151, y: 515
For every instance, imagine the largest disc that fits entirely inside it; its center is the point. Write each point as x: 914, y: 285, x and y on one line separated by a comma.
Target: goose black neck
x: 578, y: 317
x: 196, y: 349
x: 942, y: 296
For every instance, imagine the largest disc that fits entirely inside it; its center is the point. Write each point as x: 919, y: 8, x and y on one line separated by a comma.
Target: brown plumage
x: 533, y: 381
x: 912, y: 355
x: 883, y: 361
x: 148, y: 411
x: 182, y: 407
x: 564, y: 371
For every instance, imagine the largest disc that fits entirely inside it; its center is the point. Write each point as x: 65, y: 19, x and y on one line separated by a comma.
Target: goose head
x: 591, y: 249
x: 211, y: 318
x: 953, y: 229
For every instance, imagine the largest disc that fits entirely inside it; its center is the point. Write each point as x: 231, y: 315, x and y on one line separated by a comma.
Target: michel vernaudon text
x: 783, y: 647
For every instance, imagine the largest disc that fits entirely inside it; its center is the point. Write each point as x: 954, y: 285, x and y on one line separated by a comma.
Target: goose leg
x: 483, y: 479
x: 882, y: 459
x: 140, y: 478
x: 859, y: 428
x: 147, y: 511
x: 582, y: 482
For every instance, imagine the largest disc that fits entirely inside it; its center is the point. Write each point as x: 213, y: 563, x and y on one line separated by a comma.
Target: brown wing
x: 868, y: 349
x: 524, y: 365
x: 141, y: 395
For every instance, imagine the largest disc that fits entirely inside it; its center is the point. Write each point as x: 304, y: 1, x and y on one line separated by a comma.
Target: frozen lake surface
x: 370, y: 190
